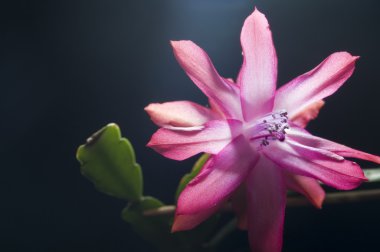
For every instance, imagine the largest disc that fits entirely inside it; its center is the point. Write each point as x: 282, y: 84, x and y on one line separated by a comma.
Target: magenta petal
x: 306, y: 186
x: 319, y: 164
x: 186, y: 222
x: 306, y: 138
x: 258, y: 75
x: 201, y: 71
x: 219, y: 177
x: 179, y: 114
x: 266, y: 207
x: 316, y: 84
x: 181, y: 144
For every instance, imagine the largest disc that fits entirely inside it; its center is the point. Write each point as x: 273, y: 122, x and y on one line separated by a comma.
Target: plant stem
x: 219, y: 236
x: 338, y: 198
x: 164, y: 210
x: 297, y: 201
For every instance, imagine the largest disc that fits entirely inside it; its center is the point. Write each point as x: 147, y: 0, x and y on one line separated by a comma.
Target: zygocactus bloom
x: 255, y: 134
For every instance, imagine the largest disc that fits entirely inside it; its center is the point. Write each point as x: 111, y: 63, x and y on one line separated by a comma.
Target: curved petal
x: 310, y: 112
x: 186, y: 222
x: 306, y: 186
x: 201, y: 71
x: 182, y: 144
x: 266, y: 207
x: 258, y: 74
x: 219, y: 177
x: 316, y: 84
x: 301, y: 135
x: 179, y: 114
x: 311, y: 162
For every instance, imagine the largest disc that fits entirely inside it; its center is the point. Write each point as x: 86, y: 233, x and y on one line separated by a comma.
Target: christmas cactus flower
x: 255, y: 135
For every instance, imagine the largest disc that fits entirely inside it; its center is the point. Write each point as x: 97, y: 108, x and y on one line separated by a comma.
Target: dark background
x: 67, y: 68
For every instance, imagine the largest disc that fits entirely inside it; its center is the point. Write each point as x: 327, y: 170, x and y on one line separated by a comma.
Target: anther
x: 276, y: 125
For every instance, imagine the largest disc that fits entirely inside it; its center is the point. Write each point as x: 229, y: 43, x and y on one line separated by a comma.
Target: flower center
x: 269, y: 127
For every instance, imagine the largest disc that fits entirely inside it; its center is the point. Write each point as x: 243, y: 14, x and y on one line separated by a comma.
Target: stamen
x: 270, y: 127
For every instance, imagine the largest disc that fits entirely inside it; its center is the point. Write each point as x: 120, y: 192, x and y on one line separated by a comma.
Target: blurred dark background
x: 67, y: 68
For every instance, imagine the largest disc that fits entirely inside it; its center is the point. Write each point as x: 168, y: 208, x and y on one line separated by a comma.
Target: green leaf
x: 155, y: 229
x: 189, y: 176
x: 108, y: 160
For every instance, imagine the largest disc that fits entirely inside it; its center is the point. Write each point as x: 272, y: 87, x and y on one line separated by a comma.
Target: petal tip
x: 174, y: 228
x: 175, y: 44
x: 346, y: 56
x: 179, y: 43
x: 150, y: 107
x: 258, y: 16
x: 177, y: 224
x: 354, y: 57
x: 318, y: 204
x: 256, y: 11
x: 150, y: 144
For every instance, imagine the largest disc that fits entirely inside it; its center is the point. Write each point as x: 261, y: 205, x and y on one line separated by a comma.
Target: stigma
x: 268, y: 128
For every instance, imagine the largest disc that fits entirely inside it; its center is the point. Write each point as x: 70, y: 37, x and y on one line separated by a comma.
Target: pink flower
x: 255, y: 134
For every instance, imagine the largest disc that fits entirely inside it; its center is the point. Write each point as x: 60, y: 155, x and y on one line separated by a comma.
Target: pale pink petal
x: 201, y: 71
x: 306, y: 186
x: 258, y: 74
x: 266, y: 207
x: 301, y: 135
x: 179, y: 114
x: 319, y: 164
x: 182, y: 144
x: 310, y: 112
x: 316, y: 84
x: 219, y: 177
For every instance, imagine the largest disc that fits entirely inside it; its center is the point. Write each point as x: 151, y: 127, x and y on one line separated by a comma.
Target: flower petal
x: 316, y: 84
x: 258, y: 74
x: 301, y: 135
x: 201, y: 71
x: 266, y: 207
x: 179, y: 114
x: 182, y: 144
x: 310, y: 112
x: 215, y: 109
x: 219, y: 177
x: 186, y: 222
x: 306, y: 186
x: 319, y: 164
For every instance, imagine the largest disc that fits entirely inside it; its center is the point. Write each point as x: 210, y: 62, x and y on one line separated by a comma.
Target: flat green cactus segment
x: 108, y: 160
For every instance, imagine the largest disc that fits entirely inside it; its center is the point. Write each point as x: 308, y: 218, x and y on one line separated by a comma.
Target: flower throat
x: 270, y: 127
